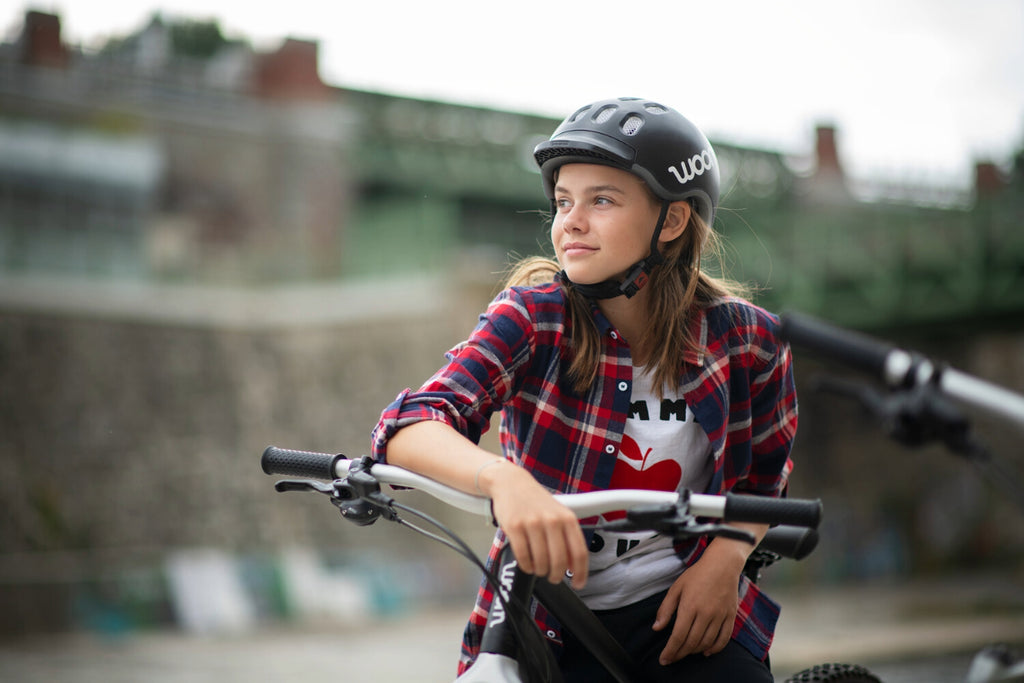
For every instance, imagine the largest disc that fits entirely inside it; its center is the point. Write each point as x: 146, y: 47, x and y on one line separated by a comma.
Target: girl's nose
x: 574, y: 220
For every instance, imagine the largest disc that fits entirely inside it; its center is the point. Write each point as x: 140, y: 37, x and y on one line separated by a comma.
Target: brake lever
x: 912, y: 417
x: 358, y: 496
x: 671, y: 520
x: 304, y: 485
x: 724, y: 531
x: 661, y: 518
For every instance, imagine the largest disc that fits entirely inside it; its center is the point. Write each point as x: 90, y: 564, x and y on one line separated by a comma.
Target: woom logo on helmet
x: 697, y: 165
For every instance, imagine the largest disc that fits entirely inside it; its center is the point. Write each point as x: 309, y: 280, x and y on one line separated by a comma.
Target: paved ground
x: 876, y: 625
x: 884, y: 625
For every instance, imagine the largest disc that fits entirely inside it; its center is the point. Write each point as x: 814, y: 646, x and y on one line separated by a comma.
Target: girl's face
x: 603, y: 222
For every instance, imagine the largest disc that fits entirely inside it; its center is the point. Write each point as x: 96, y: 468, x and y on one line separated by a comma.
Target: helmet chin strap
x: 637, y: 276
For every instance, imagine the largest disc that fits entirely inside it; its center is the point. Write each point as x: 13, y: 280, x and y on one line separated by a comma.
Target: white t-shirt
x: 663, y: 448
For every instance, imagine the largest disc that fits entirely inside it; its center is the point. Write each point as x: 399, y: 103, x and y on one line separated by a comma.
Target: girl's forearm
x: 436, y: 450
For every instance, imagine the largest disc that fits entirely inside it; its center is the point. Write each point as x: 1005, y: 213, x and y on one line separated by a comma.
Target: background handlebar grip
x: 851, y: 348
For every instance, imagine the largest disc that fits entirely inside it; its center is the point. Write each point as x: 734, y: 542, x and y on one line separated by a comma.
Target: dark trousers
x: 631, y: 626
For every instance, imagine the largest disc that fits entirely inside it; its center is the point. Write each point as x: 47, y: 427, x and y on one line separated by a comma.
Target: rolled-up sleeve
x: 477, y: 379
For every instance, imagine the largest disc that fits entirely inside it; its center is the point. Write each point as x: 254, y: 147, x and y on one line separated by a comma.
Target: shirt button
x: 623, y: 386
x: 614, y: 335
x: 609, y: 449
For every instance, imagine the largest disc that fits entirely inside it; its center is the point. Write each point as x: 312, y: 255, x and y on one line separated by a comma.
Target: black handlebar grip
x: 794, y: 542
x: 851, y: 348
x: 766, y: 510
x: 305, y: 464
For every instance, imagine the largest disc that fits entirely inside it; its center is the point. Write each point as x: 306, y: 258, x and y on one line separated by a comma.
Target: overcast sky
x: 916, y: 87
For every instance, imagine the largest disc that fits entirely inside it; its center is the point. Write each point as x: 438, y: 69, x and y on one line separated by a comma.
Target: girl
x: 620, y: 365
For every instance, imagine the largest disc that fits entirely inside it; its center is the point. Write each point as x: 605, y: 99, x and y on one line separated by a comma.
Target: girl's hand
x: 545, y: 535
x: 704, y: 600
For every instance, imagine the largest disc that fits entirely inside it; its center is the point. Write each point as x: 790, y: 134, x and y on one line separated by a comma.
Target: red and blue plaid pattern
x: 739, y: 387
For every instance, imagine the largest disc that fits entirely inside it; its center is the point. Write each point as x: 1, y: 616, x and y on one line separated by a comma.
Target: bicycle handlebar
x: 328, y: 466
x: 897, y: 367
x: 729, y: 508
x: 853, y: 349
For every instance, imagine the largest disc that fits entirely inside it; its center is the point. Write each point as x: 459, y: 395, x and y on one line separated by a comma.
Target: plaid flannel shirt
x: 739, y: 387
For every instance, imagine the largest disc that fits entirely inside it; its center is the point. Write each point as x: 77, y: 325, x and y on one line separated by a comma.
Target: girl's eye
x: 562, y: 204
x: 602, y: 200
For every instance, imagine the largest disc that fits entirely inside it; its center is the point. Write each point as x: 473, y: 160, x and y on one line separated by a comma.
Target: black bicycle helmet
x: 648, y: 139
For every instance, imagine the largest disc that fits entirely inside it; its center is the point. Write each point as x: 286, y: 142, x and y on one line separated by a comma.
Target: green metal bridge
x: 876, y: 265
x: 859, y: 263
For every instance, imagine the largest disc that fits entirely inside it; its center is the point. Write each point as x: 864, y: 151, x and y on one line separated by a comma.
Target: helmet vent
x: 546, y: 155
x: 632, y: 124
x: 579, y: 112
x: 604, y: 113
x: 655, y: 108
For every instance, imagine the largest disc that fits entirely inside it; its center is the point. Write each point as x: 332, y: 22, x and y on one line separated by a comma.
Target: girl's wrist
x: 729, y: 550
x: 734, y: 551
x: 479, y: 471
x: 487, y: 474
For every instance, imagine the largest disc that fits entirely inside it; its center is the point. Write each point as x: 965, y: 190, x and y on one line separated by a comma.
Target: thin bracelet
x: 476, y: 477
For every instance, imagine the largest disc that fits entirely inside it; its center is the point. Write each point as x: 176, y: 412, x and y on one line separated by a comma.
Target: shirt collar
x: 698, y: 327
x: 604, y: 326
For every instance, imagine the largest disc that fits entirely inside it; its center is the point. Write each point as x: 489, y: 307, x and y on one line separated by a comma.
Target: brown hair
x: 678, y: 286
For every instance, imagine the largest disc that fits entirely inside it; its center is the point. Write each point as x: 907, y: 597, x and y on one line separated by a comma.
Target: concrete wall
x: 133, y: 421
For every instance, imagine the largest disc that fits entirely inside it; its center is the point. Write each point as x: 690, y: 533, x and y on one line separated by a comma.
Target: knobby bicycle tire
x: 834, y: 673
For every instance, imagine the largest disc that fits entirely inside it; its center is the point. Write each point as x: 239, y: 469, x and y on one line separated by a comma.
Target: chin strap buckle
x: 636, y: 280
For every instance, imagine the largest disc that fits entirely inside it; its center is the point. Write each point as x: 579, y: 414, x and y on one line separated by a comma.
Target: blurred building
x: 158, y: 160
